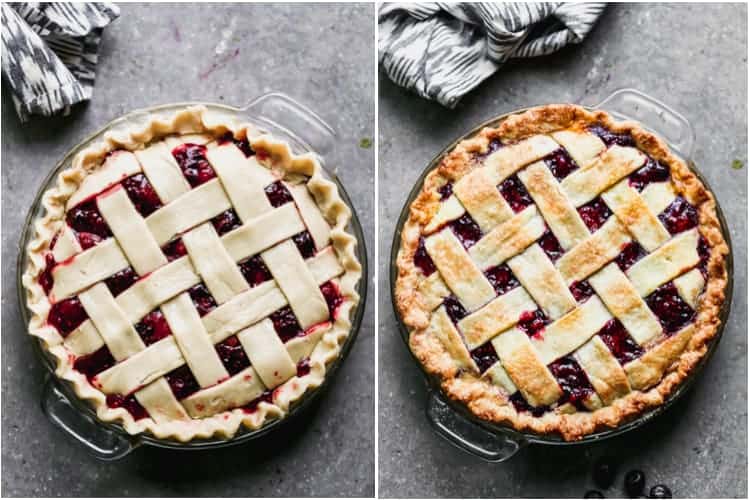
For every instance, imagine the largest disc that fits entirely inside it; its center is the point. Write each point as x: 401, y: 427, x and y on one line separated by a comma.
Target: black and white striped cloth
x: 442, y: 51
x: 49, y: 53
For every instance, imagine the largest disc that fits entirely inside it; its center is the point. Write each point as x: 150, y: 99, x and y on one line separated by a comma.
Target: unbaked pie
x: 561, y: 272
x: 192, y: 276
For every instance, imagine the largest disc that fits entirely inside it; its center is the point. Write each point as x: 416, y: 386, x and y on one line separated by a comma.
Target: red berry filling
x: 94, y: 363
x: 192, y: 161
x: 45, y: 277
x: 423, y: 260
x: 629, y: 255
x: 467, y: 230
x: 226, y: 221
x: 532, y: 322
x: 333, y: 296
x: 560, y: 163
x: 142, y: 194
x: 484, y: 356
x: 278, y: 194
x: 85, y: 218
x: 515, y: 193
x: 594, y: 214
x: 453, y: 307
x: 129, y: 403
x: 492, y: 146
x: 174, y: 249
x: 704, y: 252
x: 609, y: 138
x: 232, y: 355
x: 668, y: 306
x: 252, y: 406
x: 121, y: 281
x: 652, y: 171
x: 88, y: 240
x: 153, y: 327
x: 581, y: 290
x: 303, y: 367
x: 254, y: 270
x: 551, y: 245
x: 285, y: 324
x: 501, y: 278
x: 573, y: 381
x: 182, y: 382
x: 679, y: 216
x: 67, y: 315
x: 305, y: 244
x: 619, y: 341
x: 242, y: 144
x: 445, y: 191
x: 521, y: 405
x: 202, y: 298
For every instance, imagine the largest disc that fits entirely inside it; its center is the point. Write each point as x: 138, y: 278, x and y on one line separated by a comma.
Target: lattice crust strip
x: 511, y: 239
x: 241, y: 309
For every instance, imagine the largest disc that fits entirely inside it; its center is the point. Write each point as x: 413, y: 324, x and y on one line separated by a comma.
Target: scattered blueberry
x: 635, y: 481
x: 660, y: 491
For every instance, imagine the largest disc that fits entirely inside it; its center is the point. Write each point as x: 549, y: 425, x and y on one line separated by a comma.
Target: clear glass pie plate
x: 497, y: 443
x: 274, y: 113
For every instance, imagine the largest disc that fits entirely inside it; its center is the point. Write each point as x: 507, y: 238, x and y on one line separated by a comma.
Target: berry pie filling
x: 466, y: 230
x: 484, y: 356
x: 254, y: 270
x: 278, y: 194
x: 226, y: 221
x: 581, y: 290
x: 174, y: 249
x: 532, y: 323
x: 142, y: 194
x: 679, y: 216
x: 671, y: 310
x: 286, y: 325
x: 623, y: 347
x: 573, y: 381
x: 455, y: 310
x: 182, y: 382
x: 242, y: 144
x: 445, y: 191
x: 67, y: 315
x: 305, y: 244
x: 609, y: 138
x: 192, y: 161
x: 153, y: 327
x: 594, y: 213
x: 121, y: 281
x: 93, y: 364
x: 129, y: 403
x: 515, y: 193
x: 45, y: 277
x: 252, y: 406
x: 522, y: 406
x: 333, y: 297
x: 652, y: 171
x: 551, y: 245
x: 423, y: 260
x: 303, y: 367
x: 501, y: 278
x: 202, y: 299
x: 630, y: 254
x: 88, y: 223
x: 560, y: 163
x: 232, y: 355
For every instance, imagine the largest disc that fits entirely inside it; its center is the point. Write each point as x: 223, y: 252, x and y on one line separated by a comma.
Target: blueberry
x: 593, y: 494
x: 604, y: 474
x: 660, y: 491
x: 635, y: 481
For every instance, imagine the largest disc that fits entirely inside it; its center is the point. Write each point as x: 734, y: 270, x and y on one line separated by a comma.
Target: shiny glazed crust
x: 484, y: 399
x: 285, y: 164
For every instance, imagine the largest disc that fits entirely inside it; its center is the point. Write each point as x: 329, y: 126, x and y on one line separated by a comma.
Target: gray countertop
x: 321, y: 55
x: 694, y: 58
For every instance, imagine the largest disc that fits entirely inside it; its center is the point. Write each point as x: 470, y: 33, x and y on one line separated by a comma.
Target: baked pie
x: 562, y: 272
x: 192, y: 276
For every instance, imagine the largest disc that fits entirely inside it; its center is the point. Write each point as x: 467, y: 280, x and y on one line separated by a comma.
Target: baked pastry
x: 192, y: 275
x: 562, y: 272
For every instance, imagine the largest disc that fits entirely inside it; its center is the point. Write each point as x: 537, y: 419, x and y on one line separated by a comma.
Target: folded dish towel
x: 49, y: 53
x: 442, y: 51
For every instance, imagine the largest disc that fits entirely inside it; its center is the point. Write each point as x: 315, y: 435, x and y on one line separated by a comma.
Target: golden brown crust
x: 488, y: 401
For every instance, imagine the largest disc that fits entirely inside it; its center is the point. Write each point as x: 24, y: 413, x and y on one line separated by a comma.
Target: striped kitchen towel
x: 49, y: 53
x: 442, y: 51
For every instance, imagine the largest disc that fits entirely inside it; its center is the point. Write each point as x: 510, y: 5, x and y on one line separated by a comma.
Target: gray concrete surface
x: 693, y: 58
x: 154, y: 54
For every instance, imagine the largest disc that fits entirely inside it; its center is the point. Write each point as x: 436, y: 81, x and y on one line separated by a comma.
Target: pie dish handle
x: 468, y: 436
x: 99, y: 441
x: 633, y: 104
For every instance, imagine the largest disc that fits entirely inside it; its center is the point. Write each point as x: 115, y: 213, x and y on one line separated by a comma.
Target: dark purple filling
x: 94, y: 363
x: 232, y: 355
x: 142, y: 194
x: 551, y: 245
x: 445, y: 191
x: 67, y: 315
x: 153, y: 327
x: 333, y: 297
x: 581, y: 290
x: 192, y: 161
x: 174, y: 249
x: 129, y: 403
x: 466, y: 229
x: 182, y: 382
x: 652, y: 171
x: 679, y: 216
x: 619, y: 341
x: 286, y: 324
x: 629, y: 255
x: 668, y: 306
x: 254, y: 270
x: 560, y: 163
x: 423, y: 260
x: 303, y: 367
x: 278, y: 194
x: 573, y: 381
x: 453, y: 307
x: 609, y: 138
x: 532, y: 322
x: 493, y: 146
x: 85, y: 218
x: 252, y: 406
x: 484, y: 356
x: 121, y: 281
x: 243, y: 144
x: 501, y: 278
x: 704, y: 252
x: 88, y: 240
x: 226, y: 221
x: 305, y: 244
x: 594, y: 214
x: 521, y: 405
x: 515, y: 193
x: 202, y: 299
x: 45, y: 277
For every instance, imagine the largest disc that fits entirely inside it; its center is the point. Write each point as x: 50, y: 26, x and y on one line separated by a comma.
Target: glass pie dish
x: 496, y: 442
x: 273, y: 113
